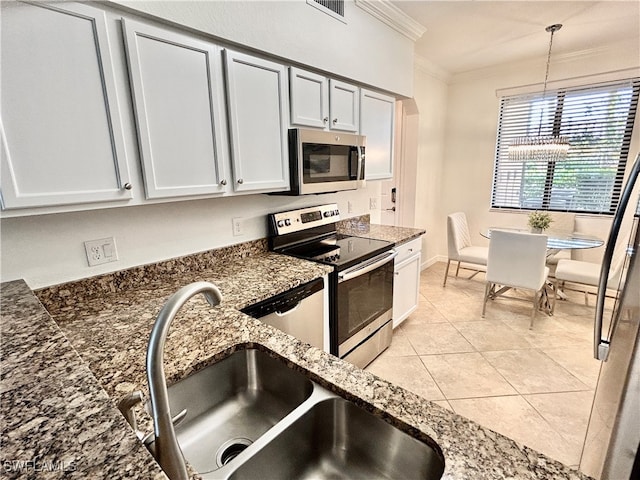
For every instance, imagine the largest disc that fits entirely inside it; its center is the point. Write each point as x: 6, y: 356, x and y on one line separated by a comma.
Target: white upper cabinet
x: 258, y: 122
x: 61, y: 136
x: 344, y: 106
x: 317, y: 101
x: 178, y: 94
x: 309, y: 98
x: 377, y: 120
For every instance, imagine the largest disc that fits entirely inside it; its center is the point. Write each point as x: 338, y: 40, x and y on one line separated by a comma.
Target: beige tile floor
x: 534, y: 386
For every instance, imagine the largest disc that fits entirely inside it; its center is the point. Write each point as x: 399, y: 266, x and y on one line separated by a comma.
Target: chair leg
x: 446, y: 273
x: 458, y: 269
x: 556, y: 286
x: 536, y: 299
x: 486, y: 296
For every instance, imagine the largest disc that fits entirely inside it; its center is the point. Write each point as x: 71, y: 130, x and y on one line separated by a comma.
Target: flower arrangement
x: 539, y: 221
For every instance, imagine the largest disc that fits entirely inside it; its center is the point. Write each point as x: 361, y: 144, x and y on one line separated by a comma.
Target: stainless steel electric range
x: 360, y: 286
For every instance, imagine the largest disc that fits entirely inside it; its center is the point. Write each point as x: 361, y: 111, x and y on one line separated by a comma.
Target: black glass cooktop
x: 341, y: 251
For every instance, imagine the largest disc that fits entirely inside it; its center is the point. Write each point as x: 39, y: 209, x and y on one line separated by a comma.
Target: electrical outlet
x: 373, y: 203
x: 237, y: 226
x: 101, y: 251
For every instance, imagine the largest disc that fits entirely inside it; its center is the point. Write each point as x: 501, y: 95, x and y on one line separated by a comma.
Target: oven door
x: 364, y: 300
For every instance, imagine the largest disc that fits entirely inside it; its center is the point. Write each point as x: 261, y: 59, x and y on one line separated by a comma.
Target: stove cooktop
x: 341, y: 251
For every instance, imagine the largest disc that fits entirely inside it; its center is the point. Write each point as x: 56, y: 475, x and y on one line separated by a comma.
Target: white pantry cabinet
x: 178, y: 93
x: 317, y: 101
x: 258, y: 122
x: 406, y: 282
x: 377, y: 122
x: 61, y: 134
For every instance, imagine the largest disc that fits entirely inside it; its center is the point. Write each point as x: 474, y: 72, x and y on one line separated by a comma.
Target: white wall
x: 48, y: 249
x: 472, y: 109
x: 431, y: 95
x: 363, y: 49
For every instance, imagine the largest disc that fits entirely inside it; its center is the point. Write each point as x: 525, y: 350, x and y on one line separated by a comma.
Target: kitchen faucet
x: 167, y: 450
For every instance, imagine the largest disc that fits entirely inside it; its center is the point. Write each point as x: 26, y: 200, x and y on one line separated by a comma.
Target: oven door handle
x: 366, y: 267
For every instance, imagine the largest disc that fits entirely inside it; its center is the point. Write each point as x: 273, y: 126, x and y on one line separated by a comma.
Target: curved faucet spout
x: 167, y: 450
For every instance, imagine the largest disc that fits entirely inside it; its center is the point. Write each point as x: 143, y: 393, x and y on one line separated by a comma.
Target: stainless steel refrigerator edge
x: 611, y: 450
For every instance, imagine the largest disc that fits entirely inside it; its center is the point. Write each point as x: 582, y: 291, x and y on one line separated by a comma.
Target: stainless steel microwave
x: 324, y: 162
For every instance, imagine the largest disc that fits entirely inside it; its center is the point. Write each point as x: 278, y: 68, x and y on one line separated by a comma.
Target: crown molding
x: 427, y: 67
x: 392, y: 16
x: 585, y: 55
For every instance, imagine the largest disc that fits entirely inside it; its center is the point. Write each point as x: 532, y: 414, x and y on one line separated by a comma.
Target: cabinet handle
x: 325, y: 119
x: 127, y: 186
x: 223, y: 182
x: 410, y: 250
x: 240, y: 181
x: 335, y: 120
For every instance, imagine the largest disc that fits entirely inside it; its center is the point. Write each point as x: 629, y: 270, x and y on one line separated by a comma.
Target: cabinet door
x: 258, y: 122
x: 344, y: 106
x: 178, y: 93
x: 309, y: 98
x: 62, y: 140
x: 406, y: 288
x: 377, y: 119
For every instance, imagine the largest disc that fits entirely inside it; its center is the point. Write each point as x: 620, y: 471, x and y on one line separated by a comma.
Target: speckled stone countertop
x: 109, y: 325
x: 56, y: 420
x: 361, y: 227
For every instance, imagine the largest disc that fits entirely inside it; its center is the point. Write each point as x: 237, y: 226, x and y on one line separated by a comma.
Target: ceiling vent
x: 335, y: 8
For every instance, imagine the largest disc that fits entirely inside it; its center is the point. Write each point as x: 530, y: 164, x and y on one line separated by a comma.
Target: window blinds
x: 597, y: 120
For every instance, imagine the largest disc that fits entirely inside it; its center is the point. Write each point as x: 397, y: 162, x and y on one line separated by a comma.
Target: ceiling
x: 468, y: 35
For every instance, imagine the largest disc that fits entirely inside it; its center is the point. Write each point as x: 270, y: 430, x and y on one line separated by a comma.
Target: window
x: 597, y: 120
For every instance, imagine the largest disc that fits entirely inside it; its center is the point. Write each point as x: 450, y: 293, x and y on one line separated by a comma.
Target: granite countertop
x: 109, y: 327
x: 57, y: 421
x: 361, y: 227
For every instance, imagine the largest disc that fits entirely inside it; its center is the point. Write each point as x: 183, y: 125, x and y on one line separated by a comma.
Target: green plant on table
x: 539, y: 220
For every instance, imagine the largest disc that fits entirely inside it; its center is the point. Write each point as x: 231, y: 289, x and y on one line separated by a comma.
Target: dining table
x: 557, y: 241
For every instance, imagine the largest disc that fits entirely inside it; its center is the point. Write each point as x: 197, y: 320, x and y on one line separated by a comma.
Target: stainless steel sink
x: 232, y: 403
x: 250, y: 416
x: 335, y: 439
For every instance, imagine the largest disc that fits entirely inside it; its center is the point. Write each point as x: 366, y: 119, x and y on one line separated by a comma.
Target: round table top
x: 558, y: 240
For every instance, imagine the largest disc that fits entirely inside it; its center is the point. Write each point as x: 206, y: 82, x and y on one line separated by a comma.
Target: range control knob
x: 327, y: 213
x: 281, y: 223
x: 287, y: 222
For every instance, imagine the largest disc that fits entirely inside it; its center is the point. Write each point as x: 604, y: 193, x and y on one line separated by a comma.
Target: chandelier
x: 541, y: 147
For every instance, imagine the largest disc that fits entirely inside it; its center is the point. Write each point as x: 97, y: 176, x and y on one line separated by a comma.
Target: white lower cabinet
x: 61, y: 137
x: 257, y: 92
x: 178, y: 94
x: 406, y: 283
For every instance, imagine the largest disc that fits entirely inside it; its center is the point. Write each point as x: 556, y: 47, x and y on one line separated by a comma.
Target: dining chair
x: 517, y: 260
x: 460, y: 248
x: 562, y: 222
x: 587, y: 274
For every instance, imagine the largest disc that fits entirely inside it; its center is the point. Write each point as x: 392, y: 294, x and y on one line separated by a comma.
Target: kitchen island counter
x: 109, y: 329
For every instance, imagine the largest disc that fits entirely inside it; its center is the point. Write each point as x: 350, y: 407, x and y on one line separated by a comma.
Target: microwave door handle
x: 359, y: 175
x: 358, y: 271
